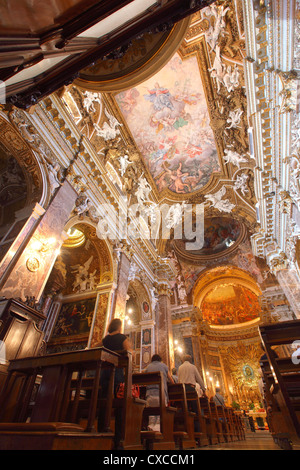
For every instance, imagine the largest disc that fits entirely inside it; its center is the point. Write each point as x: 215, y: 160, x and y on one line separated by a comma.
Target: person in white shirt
x: 188, y: 374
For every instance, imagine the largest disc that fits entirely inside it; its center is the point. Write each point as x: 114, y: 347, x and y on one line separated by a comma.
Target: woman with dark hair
x: 114, y: 341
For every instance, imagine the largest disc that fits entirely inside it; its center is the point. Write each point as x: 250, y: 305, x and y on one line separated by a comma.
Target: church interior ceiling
x: 184, y: 128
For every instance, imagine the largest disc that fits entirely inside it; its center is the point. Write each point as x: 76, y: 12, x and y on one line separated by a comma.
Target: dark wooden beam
x: 161, y: 18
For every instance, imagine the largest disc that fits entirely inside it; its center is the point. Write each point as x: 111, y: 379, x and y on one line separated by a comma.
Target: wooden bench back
x: 282, y: 375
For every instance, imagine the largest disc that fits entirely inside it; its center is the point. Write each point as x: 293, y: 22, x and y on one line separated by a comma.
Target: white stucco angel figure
x: 233, y: 157
x: 124, y: 162
x: 143, y: 191
x: 241, y: 183
x: 81, y: 274
x: 133, y: 270
x: 231, y: 78
x: 216, y: 201
x: 181, y: 288
x: 82, y: 204
x: 53, y: 171
x: 89, y: 99
x: 154, y: 298
x: 234, y: 118
x: 109, y: 130
x: 218, y: 69
x: 212, y: 35
x: 174, y: 215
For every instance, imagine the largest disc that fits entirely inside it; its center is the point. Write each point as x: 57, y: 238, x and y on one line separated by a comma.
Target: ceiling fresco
x: 169, y: 120
x: 220, y: 234
x: 228, y: 304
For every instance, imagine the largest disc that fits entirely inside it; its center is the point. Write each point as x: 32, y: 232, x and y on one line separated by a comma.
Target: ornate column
x: 123, y: 254
x: 34, y: 265
x: 163, y: 329
x: 147, y: 325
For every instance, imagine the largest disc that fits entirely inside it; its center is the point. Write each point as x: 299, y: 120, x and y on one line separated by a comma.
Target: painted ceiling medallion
x: 222, y: 235
x: 32, y: 264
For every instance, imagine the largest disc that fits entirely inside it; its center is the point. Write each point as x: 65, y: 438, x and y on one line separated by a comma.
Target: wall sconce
x: 37, y: 248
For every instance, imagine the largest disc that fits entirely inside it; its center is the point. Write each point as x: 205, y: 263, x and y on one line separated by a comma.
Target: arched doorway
x: 227, y: 317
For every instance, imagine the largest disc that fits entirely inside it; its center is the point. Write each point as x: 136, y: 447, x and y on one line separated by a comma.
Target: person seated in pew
x: 174, y: 375
x: 152, y: 393
x: 218, y: 398
x: 114, y: 341
x: 189, y: 375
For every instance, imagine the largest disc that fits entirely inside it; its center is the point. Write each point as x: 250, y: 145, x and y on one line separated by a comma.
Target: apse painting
x: 230, y: 304
x: 169, y: 120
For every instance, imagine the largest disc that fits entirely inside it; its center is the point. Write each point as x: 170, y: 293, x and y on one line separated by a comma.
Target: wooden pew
x: 225, y: 421
x: 278, y: 425
x: 211, y: 425
x: 155, y: 440
x: 282, y: 379
x: 219, y: 424
x: 235, y: 425
x: 133, y: 408
x: 184, y: 433
x: 54, y: 401
x: 130, y: 408
x: 201, y: 436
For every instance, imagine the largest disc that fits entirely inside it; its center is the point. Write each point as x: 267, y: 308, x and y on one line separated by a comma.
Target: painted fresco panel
x: 169, y: 120
x: 75, y: 318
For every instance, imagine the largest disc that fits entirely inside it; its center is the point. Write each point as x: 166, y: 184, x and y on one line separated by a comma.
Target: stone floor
x: 260, y: 440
